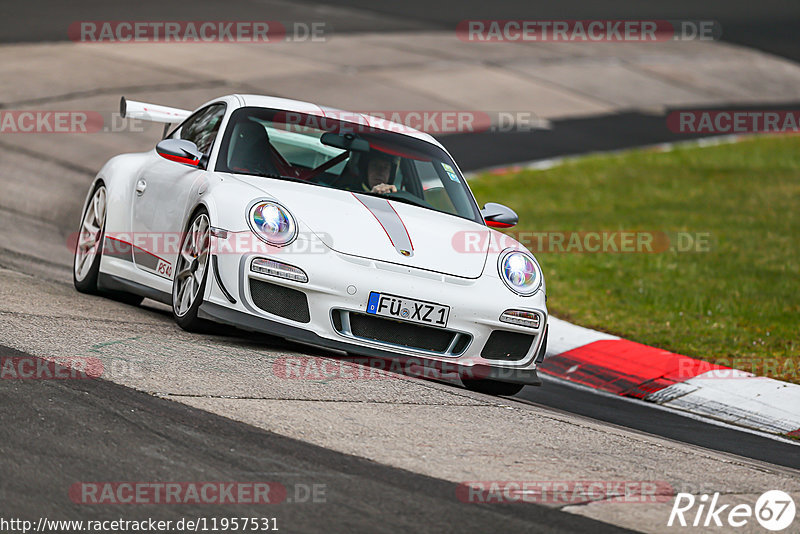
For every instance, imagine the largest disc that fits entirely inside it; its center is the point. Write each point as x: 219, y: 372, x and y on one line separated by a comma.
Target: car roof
x: 287, y: 104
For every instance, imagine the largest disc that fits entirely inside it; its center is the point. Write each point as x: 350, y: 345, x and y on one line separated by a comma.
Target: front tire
x: 493, y: 387
x: 191, y: 273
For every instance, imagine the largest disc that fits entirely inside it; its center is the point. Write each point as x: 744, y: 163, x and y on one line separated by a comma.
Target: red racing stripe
x: 137, y: 248
x: 624, y: 367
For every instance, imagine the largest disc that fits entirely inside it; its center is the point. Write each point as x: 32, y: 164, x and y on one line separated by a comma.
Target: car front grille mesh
x: 280, y: 300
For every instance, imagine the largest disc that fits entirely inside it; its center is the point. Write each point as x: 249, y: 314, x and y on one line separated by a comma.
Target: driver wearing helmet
x: 379, y: 170
x: 371, y: 173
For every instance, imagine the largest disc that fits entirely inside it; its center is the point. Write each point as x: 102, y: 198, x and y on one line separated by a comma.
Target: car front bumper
x: 338, y: 283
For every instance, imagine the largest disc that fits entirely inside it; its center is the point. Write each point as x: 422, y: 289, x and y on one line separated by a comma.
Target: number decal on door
x: 164, y: 269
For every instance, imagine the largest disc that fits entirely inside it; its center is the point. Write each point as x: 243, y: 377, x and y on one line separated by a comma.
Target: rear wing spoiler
x: 151, y: 112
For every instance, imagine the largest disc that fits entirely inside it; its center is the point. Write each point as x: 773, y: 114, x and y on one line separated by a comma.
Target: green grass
x: 737, y: 304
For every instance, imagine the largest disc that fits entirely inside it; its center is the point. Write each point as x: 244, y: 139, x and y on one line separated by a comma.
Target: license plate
x: 406, y: 309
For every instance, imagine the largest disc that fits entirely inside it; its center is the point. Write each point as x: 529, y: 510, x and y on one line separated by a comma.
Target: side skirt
x: 108, y: 282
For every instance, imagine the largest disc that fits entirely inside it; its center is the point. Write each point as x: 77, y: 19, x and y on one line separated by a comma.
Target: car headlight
x: 520, y: 272
x: 272, y: 223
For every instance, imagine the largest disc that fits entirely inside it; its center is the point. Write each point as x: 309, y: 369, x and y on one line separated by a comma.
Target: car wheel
x: 89, y: 249
x: 493, y: 387
x: 191, y: 272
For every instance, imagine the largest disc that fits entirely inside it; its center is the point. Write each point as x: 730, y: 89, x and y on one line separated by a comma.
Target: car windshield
x: 344, y: 155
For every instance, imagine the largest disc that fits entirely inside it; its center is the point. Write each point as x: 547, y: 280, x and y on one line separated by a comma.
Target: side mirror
x: 180, y: 151
x: 499, y: 216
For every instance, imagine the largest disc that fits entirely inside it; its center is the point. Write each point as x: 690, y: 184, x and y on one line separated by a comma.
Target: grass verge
x: 732, y: 298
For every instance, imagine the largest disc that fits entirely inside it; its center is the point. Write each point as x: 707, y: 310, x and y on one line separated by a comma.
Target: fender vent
x: 280, y: 300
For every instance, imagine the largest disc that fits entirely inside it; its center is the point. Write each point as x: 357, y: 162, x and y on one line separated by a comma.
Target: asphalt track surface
x: 132, y: 433
x: 40, y: 460
x: 570, y: 137
x: 768, y: 25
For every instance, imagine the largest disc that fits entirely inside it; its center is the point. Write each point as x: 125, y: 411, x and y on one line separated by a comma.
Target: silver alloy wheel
x: 90, y: 234
x: 191, y: 265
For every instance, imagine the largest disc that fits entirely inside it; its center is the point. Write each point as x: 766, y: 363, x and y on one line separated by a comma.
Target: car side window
x: 202, y: 127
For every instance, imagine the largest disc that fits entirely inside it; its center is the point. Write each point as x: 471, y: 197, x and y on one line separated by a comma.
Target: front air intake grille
x: 280, y: 300
x: 462, y: 344
x: 401, y: 333
x: 509, y: 346
x: 337, y: 320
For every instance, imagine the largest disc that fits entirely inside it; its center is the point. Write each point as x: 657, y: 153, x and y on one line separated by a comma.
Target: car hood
x: 373, y: 227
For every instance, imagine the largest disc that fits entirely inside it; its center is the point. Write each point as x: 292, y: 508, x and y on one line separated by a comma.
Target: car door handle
x: 141, y: 185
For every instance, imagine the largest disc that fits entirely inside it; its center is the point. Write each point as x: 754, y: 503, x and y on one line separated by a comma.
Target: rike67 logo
x: 774, y: 510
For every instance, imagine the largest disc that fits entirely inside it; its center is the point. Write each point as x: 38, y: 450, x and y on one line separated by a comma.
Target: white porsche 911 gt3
x: 328, y: 228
